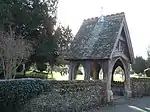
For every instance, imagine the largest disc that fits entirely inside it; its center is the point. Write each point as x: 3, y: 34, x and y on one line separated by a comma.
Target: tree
x: 46, y: 47
x: 61, y: 69
x: 64, y: 39
x: 34, y: 20
x: 28, y: 16
x: 139, y: 65
x: 148, y: 59
x: 14, y: 50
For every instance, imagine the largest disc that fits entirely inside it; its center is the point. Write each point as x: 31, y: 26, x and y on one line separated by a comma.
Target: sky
x: 137, y: 12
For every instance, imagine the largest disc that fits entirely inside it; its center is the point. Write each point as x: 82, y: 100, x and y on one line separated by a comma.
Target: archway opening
x: 118, y: 75
x: 101, y: 75
x: 118, y: 78
x: 80, y: 72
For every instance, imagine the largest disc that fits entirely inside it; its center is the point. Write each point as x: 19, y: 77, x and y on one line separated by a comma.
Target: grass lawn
x: 57, y: 76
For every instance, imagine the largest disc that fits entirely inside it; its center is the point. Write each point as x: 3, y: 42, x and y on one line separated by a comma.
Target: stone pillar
x: 128, y: 92
x: 107, y: 76
x: 88, y: 70
x: 72, y: 71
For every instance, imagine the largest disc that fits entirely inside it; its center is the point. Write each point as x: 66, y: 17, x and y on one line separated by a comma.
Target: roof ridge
x: 111, y: 16
x: 90, y: 19
x: 115, y: 16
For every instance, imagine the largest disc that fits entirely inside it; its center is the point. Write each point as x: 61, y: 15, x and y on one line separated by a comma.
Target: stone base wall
x: 118, y: 88
x: 140, y: 87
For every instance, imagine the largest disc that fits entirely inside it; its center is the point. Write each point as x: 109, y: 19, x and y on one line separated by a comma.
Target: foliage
x: 64, y: 40
x: 26, y: 15
x: 68, y: 96
x: 61, y: 69
x: 65, y: 37
x: 34, y: 20
x: 148, y: 59
x: 46, y: 47
x: 139, y: 65
x: 148, y: 62
x: 41, y: 66
x: 15, y: 93
x: 13, y: 51
x: 40, y: 76
x: 20, y: 68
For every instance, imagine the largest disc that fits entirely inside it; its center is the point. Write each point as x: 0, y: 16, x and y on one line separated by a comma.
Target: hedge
x: 36, y: 95
x: 15, y: 93
x: 69, y: 96
x: 39, y: 76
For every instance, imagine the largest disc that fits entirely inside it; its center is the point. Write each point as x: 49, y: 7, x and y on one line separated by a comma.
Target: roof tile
x: 95, y: 40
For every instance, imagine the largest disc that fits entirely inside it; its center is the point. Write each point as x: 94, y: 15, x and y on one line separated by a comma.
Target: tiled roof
x: 96, y: 39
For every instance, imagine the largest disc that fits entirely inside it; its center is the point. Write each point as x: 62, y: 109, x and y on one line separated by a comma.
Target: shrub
x: 15, y: 93
x: 40, y: 76
x: 147, y: 72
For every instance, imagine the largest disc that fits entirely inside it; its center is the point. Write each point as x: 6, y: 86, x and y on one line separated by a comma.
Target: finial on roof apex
x: 102, y: 16
x: 102, y: 11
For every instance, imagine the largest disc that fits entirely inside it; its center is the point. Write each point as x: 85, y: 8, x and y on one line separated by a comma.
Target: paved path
x: 133, y: 105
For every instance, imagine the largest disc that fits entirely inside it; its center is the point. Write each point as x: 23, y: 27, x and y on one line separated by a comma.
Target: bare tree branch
x: 13, y: 51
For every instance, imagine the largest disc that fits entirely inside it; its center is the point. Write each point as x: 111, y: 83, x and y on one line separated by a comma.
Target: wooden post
x: 107, y: 70
x: 128, y: 92
x: 88, y: 70
x: 95, y: 70
x: 72, y: 71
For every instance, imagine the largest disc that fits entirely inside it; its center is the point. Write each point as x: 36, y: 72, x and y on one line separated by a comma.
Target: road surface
x: 133, y: 105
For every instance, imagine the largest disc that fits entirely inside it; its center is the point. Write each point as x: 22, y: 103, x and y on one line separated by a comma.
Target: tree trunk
x: 61, y: 73
x: 24, y: 72
x: 52, y: 71
x: 14, y: 74
x: 8, y: 74
x: 24, y: 69
x: 8, y: 70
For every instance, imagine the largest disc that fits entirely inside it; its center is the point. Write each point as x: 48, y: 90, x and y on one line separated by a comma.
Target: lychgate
x: 102, y: 43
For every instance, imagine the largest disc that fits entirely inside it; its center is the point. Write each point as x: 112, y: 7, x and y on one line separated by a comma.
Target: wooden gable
x: 123, y: 46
